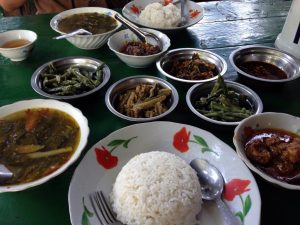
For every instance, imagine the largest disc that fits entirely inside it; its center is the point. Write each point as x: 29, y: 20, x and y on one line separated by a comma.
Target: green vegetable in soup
x: 36, y: 142
x: 95, y: 23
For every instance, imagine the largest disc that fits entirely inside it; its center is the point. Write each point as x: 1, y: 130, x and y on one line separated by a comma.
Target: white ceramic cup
x: 17, y: 53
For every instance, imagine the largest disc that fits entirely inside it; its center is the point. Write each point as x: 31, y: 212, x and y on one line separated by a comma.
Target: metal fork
x: 102, y: 209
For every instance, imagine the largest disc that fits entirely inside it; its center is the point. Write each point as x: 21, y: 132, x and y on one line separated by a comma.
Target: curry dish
x: 263, y: 70
x: 95, y: 23
x: 139, y: 48
x: 36, y: 142
x: 144, y: 101
x: 192, y: 69
x: 275, y: 151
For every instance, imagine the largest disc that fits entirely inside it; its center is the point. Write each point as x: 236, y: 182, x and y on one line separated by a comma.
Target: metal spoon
x: 144, y: 36
x: 79, y: 31
x: 212, y: 184
x: 183, y: 20
x: 5, y: 174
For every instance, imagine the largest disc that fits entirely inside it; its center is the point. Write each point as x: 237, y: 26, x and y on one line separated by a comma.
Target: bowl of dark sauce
x: 265, y: 64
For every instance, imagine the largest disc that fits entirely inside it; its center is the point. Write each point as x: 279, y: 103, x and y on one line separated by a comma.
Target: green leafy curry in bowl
x: 96, y: 23
x: 36, y: 142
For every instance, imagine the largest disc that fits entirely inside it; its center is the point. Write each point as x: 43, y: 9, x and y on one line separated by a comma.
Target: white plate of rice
x: 103, y: 162
x: 161, y: 15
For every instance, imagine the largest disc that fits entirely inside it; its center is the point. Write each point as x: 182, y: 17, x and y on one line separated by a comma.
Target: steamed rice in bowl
x: 158, y: 16
x: 157, y: 188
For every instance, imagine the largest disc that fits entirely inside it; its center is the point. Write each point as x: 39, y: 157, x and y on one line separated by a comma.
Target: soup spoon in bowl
x: 79, y: 31
x: 212, y: 184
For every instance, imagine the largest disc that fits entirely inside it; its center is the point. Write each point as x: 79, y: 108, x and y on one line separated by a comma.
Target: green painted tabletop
x: 225, y: 26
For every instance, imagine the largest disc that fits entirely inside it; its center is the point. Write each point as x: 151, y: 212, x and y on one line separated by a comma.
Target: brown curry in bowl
x: 275, y: 152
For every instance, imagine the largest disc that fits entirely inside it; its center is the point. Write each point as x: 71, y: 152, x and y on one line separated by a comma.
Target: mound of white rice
x: 156, y: 188
x: 158, y: 16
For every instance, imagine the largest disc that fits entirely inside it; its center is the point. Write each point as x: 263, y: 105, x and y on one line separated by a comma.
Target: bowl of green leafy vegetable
x: 70, y: 77
x: 223, y: 102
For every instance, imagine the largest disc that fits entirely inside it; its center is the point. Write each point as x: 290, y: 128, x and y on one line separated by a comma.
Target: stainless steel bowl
x: 202, y: 90
x: 278, y: 58
x: 187, y: 53
x: 61, y: 64
x: 130, y: 82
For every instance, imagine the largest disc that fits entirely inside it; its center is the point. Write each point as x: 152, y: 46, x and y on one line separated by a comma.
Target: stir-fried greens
x: 224, y: 104
x: 36, y: 142
x: 74, y: 80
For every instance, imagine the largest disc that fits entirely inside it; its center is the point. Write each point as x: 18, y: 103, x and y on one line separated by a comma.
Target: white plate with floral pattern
x: 133, y: 9
x: 102, y: 163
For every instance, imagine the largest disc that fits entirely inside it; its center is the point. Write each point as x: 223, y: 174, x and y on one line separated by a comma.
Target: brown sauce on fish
x: 275, y: 152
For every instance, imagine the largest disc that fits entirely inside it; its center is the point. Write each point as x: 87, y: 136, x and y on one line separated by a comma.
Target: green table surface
x: 226, y: 26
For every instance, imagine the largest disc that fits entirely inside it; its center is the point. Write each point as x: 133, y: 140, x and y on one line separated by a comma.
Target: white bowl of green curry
x: 39, y: 139
x: 99, y: 21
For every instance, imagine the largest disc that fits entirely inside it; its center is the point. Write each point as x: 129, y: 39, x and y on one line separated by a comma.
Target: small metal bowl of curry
x: 141, y: 98
x: 265, y: 64
x: 191, y: 65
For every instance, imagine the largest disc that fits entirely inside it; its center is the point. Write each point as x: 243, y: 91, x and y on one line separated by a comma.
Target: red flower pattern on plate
x: 182, y: 137
x: 135, y: 9
x: 236, y: 187
x: 180, y: 140
x: 105, y: 158
x: 194, y: 13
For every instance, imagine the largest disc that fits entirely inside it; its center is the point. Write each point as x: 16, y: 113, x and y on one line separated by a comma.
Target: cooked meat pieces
x: 274, y: 149
x: 139, y: 48
x: 259, y: 152
x: 193, y: 69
